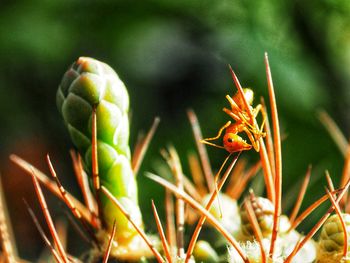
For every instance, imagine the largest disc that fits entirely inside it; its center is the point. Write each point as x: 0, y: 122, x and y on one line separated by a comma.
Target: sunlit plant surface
x: 210, y: 217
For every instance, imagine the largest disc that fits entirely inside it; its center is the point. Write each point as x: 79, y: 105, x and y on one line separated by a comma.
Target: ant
x: 232, y: 142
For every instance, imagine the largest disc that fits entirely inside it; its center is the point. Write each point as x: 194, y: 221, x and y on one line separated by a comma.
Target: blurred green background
x: 172, y: 55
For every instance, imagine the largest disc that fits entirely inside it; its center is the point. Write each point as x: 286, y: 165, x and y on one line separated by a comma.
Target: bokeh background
x: 172, y: 55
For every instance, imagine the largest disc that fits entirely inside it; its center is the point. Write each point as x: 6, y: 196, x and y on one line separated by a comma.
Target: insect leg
x: 253, y: 140
x: 258, y: 109
x: 253, y: 127
x: 232, y: 114
x: 207, y: 140
x: 233, y: 104
x: 219, y: 133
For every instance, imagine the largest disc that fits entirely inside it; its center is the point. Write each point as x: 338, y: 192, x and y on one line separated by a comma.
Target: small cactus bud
x: 89, y: 84
x: 331, y: 242
x: 263, y: 209
x: 203, y: 252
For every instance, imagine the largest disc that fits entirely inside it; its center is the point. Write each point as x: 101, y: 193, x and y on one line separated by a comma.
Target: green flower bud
x: 203, y: 252
x: 331, y: 242
x: 90, y: 83
x: 263, y: 209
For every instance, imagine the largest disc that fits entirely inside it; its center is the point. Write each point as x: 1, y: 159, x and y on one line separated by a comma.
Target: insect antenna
x: 236, y: 174
x: 51, y: 185
x: 7, y: 243
x: 42, y: 234
x: 212, y: 144
x: 213, y: 196
x: 203, y: 155
x: 67, y: 200
x: 48, y: 218
x: 142, y: 147
x: 161, y: 234
x: 238, y: 187
x: 216, y: 184
x: 301, y: 195
x: 203, y: 211
x: 155, y: 252
x: 110, y: 243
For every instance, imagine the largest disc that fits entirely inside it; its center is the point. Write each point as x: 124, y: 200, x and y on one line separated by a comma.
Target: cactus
x: 331, y: 242
x: 203, y: 252
x: 94, y: 104
x: 263, y: 209
x: 90, y: 84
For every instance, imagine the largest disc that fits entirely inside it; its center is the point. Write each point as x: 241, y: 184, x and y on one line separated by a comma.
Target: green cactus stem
x: 90, y: 84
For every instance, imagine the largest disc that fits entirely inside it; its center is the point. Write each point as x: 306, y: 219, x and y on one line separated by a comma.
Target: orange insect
x: 232, y: 142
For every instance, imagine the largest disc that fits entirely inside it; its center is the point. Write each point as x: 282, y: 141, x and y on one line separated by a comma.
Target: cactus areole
x: 89, y: 84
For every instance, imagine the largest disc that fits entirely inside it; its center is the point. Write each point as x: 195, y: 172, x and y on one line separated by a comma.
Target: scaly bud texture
x: 90, y: 83
x: 263, y: 209
x: 331, y: 243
